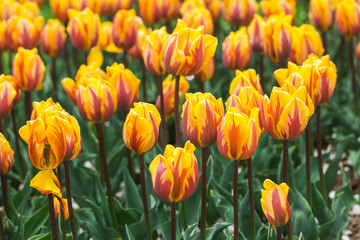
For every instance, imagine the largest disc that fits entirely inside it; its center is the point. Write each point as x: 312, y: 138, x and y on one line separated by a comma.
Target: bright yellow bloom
x: 3, y: 45
x: 46, y: 182
x: 201, y: 115
x: 188, y: 50
x: 200, y: 16
x: 175, y: 175
x: 38, y: 2
x: 256, y: 34
x: 151, y: 11
x: 6, y: 156
x: 125, y: 27
x: 321, y: 14
x: 28, y: 69
x: 53, y: 37
x: 9, y: 8
x: 8, y: 95
x: 60, y: 8
x: 62, y: 204
x: 141, y: 128
x: 275, y: 7
x: 105, y: 40
x: 237, y: 51
x: 274, y: 203
x: 240, y: 12
x: 95, y: 57
x: 244, y: 79
x: 207, y: 72
x: 347, y: 17
x: 135, y: 51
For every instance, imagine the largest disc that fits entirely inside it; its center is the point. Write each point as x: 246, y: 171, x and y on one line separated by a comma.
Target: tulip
x: 38, y: 2
x: 151, y: 11
x: 10, y: 79
x: 116, y: 5
x: 256, y: 34
x: 60, y: 206
x: 23, y: 32
x: 53, y: 38
x: 135, y: 51
x: 199, y: 17
x: 277, y: 36
x: 237, y: 51
x: 125, y: 27
x: 206, y: 73
x: 3, y: 45
x: 274, y: 203
x: 97, y: 6
x: 6, y: 157
x: 215, y: 7
x: 60, y: 8
x: 8, y: 94
x: 321, y: 14
x: 245, y: 79
x: 275, y: 7
x: 105, y: 40
x: 171, y: 9
x: 358, y: 50
x: 347, y: 17
x: 9, y: 8
x: 240, y: 12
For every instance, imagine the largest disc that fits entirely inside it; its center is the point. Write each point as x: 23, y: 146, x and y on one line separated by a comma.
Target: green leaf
x: 128, y: 233
x: 133, y: 198
x: 321, y: 211
x: 36, y: 221
x: 43, y: 236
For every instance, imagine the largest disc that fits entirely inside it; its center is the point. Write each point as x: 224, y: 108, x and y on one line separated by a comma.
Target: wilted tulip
x: 175, y: 175
x: 61, y: 205
x: 274, y: 203
x: 6, y: 156
x: 276, y: 7
x: 245, y: 79
x: 141, y: 128
x: 8, y: 95
x: 321, y: 14
x: 105, y: 40
x: 125, y: 27
x: 46, y: 183
x: 256, y: 34
x: 347, y: 17
x: 3, y: 45
x: 277, y: 36
x: 199, y: 17
x: 207, y: 72
x: 240, y: 12
x: 237, y: 51
x: 23, y: 32
x: 60, y: 8
x: 171, y: 9
x: 188, y: 50
x: 28, y: 69
x: 151, y: 11
x: 53, y: 37
x: 135, y: 51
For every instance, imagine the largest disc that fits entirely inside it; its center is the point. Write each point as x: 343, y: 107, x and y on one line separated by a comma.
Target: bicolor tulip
x: 153, y: 50
x: 169, y: 90
x: 53, y: 37
x: 245, y: 79
x: 105, y: 40
x: 9, y: 8
x: 188, y: 5
x: 126, y: 85
x: 38, y: 2
x: 83, y: 28
x: 321, y: 14
x: 237, y: 52
x: 347, y: 17
x: 201, y: 115
x: 277, y: 36
x: 274, y: 203
x: 23, y: 32
x: 61, y: 204
x: 60, y: 8
x: 286, y: 114
x: 188, y: 50
x: 240, y: 12
x: 28, y: 69
x: 358, y: 50
x: 151, y: 11
x: 305, y: 40
x: 10, y: 79
x: 215, y: 7
x: 3, y: 45
x: 276, y: 7
x: 6, y: 156
x: 125, y: 27
x: 116, y: 5
x: 141, y: 128
x: 97, y: 6
x: 200, y: 16
x: 207, y: 72
x: 8, y: 95
x: 256, y: 34
x: 135, y: 51
x: 175, y: 174
x: 171, y: 9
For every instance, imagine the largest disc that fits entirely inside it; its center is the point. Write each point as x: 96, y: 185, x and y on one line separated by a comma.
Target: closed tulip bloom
x: 9, y: 8
x: 169, y: 90
x: 188, y: 50
x: 62, y: 204
x: 347, y: 17
x: 175, y: 174
x: 153, y: 50
x: 256, y: 34
x: 171, y: 9
x: 294, y: 74
x: 305, y: 40
x: 321, y: 14
x: 7, y: 96
x: 28, y: 69
x: 6, y: 156
x: 199, y: 17
x: 277, y: 36
x: 60, y: 8
x: 215, y: 7
x: 276, y: 7
x: 116, y: 5
x: 105, y: 40
x: 207, y: 72
x: 237, y: 51
x: 126, y: 85
x: 141, y: 128
x: 201, y: 115
x: 240, y: 12
x: 274, y: 203
x: 23, y: 32
x: 38, y: 2
x: 135, y: 51
x: 151, y: 11
x: 10, y: 79
x: 245, y: 79
x: 125, y: 27
x: 3, y: 45
x: 53, y: 37
x: 97, y: 6
x: 286, y: 114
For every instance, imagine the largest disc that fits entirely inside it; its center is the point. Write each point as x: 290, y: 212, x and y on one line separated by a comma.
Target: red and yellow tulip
x: 171, y: 9
x: 245, y: 79
x: 8, y: 94
x: 10, y: 79
x: 275, y: 7
x: 105, y: 40
x: 215, y: 7
x: 207, y: 72
x: 151, y: 11
x: 347, y: 17
x: 240, y: 12
x: 135, y: 51
x: 53, y: 37
x: 200, y: 16
x: 6, y: 156
x: 125, y: 27
x: 60, y: 8
x: 321, y: 14
x: 3, y: 44
x: 256, y: 34
x: 116, y: 5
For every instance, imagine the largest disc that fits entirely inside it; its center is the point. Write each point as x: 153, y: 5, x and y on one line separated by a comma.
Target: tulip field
x: 180, y: 119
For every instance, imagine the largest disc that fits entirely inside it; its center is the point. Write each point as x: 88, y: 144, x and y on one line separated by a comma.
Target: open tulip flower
x: 274, y: 7
x: 53, y: 37
x: 245, y: 79
x: 321, y: 14
x: 240, y: 12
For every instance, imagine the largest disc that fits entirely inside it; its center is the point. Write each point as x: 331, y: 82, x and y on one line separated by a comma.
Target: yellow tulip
x: 60, y: 8
x: 6, y: 156
x: 171, y: 9
x: 135, y: 51
x: 347, y: 17
x: 10, y: 79
x: 8, y: 95
x: 200, y: 16
x: 3, y: 44
x: 215, y: 7
x: 207, y: 72
x: 62, y: 204
x: 105, y: 40
x: 53, y: 37
x: 245, y: 79
x: 116, y: 5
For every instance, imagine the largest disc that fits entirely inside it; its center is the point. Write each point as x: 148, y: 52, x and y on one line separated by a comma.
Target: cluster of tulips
x: 306, y: 81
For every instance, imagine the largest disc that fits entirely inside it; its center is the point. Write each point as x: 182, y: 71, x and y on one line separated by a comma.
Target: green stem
x: 319, y: 148
x: 125, y: 58
x: 261, y: 70
x: 67, y: 58
x: 52, y: 217
x: 21, y: 161
x: 308, y: 165
x: 203, y: 193
x: 162, y: 111
x: 69, y: 199
x: 236, y: 203
x: 62, y: 223
x: 353, y: 75
x: 173, y: 221
x: 286, y: 180
x: 28, y: 108
x: 144, y: 80
x: 184, y: 215
x: 2, y: 232
x: 5, y: 194
x: 252, y: 201
x: 176, y: 112
x: 53, y: 78
x: 324, y: 40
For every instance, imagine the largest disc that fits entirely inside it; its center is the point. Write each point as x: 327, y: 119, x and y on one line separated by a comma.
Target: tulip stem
x: 200, y: 85
x: 62, y: 222
x: 184, y: 215
x: 67, y: 59
x: 173, y: 221
x: 286, y: 180
x: 353, y: 75
x: 340, y: 64
x: 10, y: 62
x: 252, y: 201
x: 2, y: 232
x: 319, y: 148
x: 1, y: 64
x: 204, y: 152
x: 162, y: 111
x: 261, y: 70
x: 176, y: 111
x: 324, y: 40
x: 28, y: 104
x: 106, y: 173
x: 53, y: 78
x: 128, y: 155
x: 144, y: 197
x: 278, y: 233
x: 52, y: 217
x: 236, y: 204
x: 58, y: 173
x: 308, y: 166
x: 69, y: 199
x: 125, y: 58
x: 5, y: 194
x: 85, y: 56
x: 144, y: 80
x: 21, y: 161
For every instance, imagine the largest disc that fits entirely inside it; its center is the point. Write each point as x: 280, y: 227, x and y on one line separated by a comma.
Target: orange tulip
x: 188, y: 50
x: 53, y: 37
x: 237, y: 51
x: 141, y: 128
x: 9, y: 8
x: 215, y: 7
x: 116, y: 5
x: 3, y: 45
x: 199, y: 17
x: 8, y: 94
x: 275, y: 7
x: 240, y: 12
x: 38, y: 2
x: 256, y: 34
x: 6, y: 156
x: 125, y: 27
x: 62, y: 204
x: 245, y: 79
x: 46, y: 182
x: 274, y: 203
x: 175, y: 175
x: 60, y: 8
x: 151, y: 11
x: 97, y: 6
x: 105, y: 40
x: 28, y: 69
x: 321, y: 14
x: 207, y: 72
x: 201, y: 115
x: 171, y: 9
x: 347, y: 17
x: 135, y: 51
x: 10, y: 79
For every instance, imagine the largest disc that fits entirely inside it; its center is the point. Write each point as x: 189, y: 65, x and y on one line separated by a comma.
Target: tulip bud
x: 125, y: 27
x: 240, y: 12
x: 274, y: 203
x: 37, y: 2
x: 23, y: 32
x: 277, y: 7
x: 105, y: 40
x: 171, y: 9
x: 53, y: 37
x: 201, y: 116
x: 347, y: 17
x: 256, y: 34
x: 175, y: 175
x: 215, y: 7
x: 358, y: 50
x: 135, y: 51
x: 168, y: 91
x: 97, y: 6
x: 61, y: 205
x: 60, y: 8
x: 141, y: 128
x: 28, y: 69
x: 116, y: 5
x: 237, y: 51
x: 245, y: 78
x: 277, y: 36
x: 3, y: 45
x: 207, y: 72
x: 199, y: 17
x: 321, y: 14
x: 151, y: 11
x: 9, y: 8
x: 6, y: 156
x: 8, y: 94
x: 10, y: 79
